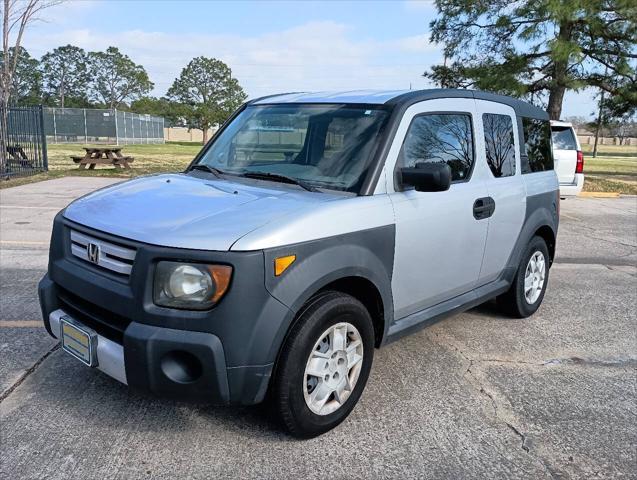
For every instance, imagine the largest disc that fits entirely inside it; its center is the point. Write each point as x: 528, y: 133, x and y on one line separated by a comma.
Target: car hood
x: 185, y: 211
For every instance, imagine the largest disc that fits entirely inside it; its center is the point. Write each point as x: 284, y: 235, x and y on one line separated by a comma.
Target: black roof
x: 522, y: 109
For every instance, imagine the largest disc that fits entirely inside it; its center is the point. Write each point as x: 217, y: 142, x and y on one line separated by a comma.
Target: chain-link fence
x: 86, y: 125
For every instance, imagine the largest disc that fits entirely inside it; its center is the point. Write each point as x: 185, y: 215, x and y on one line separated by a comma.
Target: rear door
x: 439, y: 241
x: 498, y: 147
x: 564, y: 153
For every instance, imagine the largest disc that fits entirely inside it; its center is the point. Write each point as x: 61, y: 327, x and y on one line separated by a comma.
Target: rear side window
x: 499, y: 143
x: 563, y: 138
x: 440, y: 137
x: 537, y: 140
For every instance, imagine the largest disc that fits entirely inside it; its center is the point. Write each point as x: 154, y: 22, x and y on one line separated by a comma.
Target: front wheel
x: 324, y: 364
x: 531, y: 279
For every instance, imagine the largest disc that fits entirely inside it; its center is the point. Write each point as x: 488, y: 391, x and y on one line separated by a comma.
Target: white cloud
x: 419, y: 5
x: 416, y: 43
x: 313, y: 56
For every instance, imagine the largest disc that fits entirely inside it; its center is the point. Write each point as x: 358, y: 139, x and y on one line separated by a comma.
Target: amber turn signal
x: 282, y: 263
x: 221, y: 274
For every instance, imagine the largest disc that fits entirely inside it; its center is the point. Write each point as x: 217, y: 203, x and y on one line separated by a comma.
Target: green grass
x: 170, y: 157
x: 613, y: 170
x: 611, y: 150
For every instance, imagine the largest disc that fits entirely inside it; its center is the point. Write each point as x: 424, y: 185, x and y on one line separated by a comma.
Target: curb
x: 599, y: 194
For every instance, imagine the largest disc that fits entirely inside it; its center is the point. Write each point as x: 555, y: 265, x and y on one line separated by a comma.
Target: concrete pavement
x: 477, y: 395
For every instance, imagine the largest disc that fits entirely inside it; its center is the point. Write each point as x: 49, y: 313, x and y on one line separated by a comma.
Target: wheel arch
x: 548, y: 235
x: 358, y: 286
x: 359, y: 263
x: 352, y: 281
x: 366, y: 292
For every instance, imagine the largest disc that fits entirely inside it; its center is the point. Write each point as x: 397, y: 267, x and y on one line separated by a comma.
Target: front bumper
x: 172, y: 363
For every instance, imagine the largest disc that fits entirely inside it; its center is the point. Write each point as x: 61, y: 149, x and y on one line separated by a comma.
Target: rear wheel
x: 529, y: 285
x: 324, y: 364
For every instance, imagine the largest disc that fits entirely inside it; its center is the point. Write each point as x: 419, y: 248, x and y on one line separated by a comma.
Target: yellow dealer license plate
x: 79, y: 341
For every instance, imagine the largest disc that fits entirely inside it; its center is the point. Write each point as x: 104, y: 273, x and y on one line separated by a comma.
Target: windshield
x: 324, y: 146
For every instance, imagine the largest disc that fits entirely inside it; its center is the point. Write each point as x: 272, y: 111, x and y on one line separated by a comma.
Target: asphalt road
x: 475, y: 396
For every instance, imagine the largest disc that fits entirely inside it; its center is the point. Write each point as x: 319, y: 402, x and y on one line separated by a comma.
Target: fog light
x: 181, y: 367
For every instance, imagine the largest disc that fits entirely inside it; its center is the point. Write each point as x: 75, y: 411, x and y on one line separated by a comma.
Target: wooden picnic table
x: 103, y: 156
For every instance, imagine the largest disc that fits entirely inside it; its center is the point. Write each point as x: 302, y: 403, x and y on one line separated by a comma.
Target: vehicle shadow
x: 76, y: 395
x: 489, y: 308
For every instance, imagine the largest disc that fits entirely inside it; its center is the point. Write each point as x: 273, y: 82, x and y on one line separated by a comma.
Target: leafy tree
x: 161, y: 107
x: 65, y: 75
x: 116, y: 78
x: 539, y: 48
x: 26, y: 81
x: 206, y: 92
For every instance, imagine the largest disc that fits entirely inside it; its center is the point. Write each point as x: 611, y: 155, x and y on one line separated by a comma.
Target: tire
x: 294, y: 388
x: 515, y: 301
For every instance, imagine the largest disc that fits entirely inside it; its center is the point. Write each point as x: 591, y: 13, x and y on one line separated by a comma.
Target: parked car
x: 312, y: 229
x: 569, y: 158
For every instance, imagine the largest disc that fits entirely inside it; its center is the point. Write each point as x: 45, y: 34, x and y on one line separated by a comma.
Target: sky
x: 271, y: 46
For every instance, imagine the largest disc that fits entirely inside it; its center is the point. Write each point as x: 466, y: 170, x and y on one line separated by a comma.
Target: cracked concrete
x: 502, y: 408
x: 478, y: 395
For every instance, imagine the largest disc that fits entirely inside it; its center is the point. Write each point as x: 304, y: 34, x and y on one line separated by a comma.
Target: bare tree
x: 498, y: 139
x: 16, y: 16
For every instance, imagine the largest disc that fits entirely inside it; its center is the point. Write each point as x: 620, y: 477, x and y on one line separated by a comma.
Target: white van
x: 569, y: 158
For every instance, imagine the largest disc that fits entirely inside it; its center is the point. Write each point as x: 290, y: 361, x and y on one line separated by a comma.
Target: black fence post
x: 45, y: 158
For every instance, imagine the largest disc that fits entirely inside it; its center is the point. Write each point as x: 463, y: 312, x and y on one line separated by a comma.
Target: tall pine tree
x: 539, y: 48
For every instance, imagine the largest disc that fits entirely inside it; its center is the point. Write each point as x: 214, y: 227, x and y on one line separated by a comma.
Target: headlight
x: 190, y: 286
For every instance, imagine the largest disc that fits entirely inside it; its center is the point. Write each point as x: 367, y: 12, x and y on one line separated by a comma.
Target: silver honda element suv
x: 312, y: 229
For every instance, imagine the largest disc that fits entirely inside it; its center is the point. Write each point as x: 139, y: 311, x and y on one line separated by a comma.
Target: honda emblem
x: 93, y: 253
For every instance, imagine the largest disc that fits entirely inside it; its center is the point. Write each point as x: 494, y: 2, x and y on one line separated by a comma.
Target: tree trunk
x: 560, y: 75
x: 556, y: 97
x: 205, y: 134
x: 600, y: 119
x: 62, y: 95
x: 5, y: 86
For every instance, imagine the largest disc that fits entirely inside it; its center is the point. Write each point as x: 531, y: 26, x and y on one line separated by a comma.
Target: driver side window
x: 440, y: 137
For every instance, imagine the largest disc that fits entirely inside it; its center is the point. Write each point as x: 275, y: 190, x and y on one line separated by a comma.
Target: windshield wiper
x: 280, y: 178
x: 202, y: 166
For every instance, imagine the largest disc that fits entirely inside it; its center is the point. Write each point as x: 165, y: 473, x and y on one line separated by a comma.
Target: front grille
x: 103, y: 321
x: 113, y: 257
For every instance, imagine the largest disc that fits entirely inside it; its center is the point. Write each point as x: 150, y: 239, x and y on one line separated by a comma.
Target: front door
x: 439, y: 239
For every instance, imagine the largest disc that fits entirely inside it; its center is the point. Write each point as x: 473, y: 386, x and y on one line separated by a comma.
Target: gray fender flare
x: 541, y: 211
x: 368, y: 254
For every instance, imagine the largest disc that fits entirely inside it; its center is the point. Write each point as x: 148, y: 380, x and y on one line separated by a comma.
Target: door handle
x: 483, y: 208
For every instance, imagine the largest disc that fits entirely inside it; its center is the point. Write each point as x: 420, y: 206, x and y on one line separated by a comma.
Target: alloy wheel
x: 534, y: 277
x: 333, y: 368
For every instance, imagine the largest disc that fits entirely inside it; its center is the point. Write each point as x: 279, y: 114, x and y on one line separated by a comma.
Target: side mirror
x: 427, y: 177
